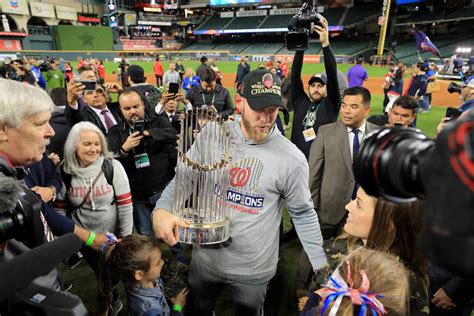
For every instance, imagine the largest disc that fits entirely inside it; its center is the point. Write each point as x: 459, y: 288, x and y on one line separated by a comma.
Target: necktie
x: 355, y: 149
x: 108, y: 121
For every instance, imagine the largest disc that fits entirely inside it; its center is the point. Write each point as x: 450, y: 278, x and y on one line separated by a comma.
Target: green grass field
x: 427, y: 122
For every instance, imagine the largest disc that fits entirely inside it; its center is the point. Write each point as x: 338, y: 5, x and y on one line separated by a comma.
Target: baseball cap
x: 321, y: 78
x: 262, y: 89
x: 136, y: 72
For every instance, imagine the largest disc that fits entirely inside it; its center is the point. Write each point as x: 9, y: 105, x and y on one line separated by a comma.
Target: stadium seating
x: 349, y: 47
x: 265, y: 48
x: 334, y: 15
x: 214, y: 22
x: 359, y: 13
x: 246, y: 22
x: 234, y: 48
x: 276, y: 21
x: 201, y: 45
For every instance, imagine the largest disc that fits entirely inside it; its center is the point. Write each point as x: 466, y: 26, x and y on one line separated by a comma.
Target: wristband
x: 177, y: 308
x: 91, y: 239
x: 121, y: 148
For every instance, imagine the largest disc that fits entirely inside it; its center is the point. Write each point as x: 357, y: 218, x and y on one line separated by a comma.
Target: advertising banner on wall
x: 44, y: 10
x: 66, y: 13
x: 10, y: 44
x: 15, y: 7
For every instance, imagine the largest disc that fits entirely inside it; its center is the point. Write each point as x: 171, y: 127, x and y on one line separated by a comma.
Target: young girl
x: 136, y: 260
x: 366, y: 280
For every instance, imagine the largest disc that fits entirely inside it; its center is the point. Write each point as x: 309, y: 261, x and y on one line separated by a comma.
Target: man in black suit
x: 98, y: 112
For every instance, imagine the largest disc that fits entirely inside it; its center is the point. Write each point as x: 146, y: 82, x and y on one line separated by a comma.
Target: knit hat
x: 136, y: 73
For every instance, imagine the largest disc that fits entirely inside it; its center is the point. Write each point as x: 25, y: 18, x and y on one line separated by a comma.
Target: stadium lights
x: 463, y: 50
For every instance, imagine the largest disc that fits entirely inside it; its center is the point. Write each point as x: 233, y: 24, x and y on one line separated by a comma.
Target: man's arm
x: 301, y: 210
x: 297, y: 89
x: 316, y: 165
x: 330, y: 65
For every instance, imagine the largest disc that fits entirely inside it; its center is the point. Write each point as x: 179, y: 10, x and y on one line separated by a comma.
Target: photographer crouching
x: 24, y: 134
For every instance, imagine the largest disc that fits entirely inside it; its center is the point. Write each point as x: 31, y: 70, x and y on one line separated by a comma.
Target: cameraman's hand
x: 46, y: 193
x: 323, y: 32
x: 442, y: 124
x: 74, y: 90
x: 181, y: 298
x: 132, y: 141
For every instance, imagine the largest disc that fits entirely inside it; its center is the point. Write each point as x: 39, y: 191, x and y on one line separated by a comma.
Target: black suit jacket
x: 87, y: 114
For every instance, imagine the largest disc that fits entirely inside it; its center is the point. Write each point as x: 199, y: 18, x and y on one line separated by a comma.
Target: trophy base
x: 205, y: 234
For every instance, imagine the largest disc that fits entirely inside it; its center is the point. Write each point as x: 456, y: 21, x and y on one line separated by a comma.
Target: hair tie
x: 111, y: 239
x: 337, y: 288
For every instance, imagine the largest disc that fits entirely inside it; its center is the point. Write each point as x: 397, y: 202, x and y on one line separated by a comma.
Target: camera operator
x: 322, y: 105
x: 24, y: 133
x: 147, y: 153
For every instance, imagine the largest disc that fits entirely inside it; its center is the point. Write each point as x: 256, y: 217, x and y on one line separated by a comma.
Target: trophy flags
x: 424, y: 44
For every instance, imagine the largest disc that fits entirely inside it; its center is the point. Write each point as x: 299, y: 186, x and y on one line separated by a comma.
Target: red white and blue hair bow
x: 337, y: 288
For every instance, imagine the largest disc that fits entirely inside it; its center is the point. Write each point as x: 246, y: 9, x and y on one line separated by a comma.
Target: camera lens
x: 12, y: 224
x: 388, y: 163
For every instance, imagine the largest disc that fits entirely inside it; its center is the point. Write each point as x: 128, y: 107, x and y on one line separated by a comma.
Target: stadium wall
x: 70, y: 37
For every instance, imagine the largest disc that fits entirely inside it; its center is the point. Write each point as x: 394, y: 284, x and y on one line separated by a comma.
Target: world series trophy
x: 202, y: 174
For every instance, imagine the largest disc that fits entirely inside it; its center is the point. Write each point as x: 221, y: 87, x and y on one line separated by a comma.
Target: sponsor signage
x: 251, y: 13
x: 227, y: 14
x: 44, y: 10
x: 154, y: 23
x: 87, y: 19
x: 284, y: 11
x: 66, y: 13
x: 10, y: 44
x: 15, y: 7
x: 261, y: 58
x: 171, y: 6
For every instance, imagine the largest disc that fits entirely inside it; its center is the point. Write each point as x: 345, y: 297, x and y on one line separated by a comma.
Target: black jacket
x: 160, y: 147
x: 88, y: 115
x: 61, y: 127
x: 328, y: 106
x: 220, y: 96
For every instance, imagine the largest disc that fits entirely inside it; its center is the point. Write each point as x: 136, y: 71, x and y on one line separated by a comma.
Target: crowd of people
x: 104, y: 170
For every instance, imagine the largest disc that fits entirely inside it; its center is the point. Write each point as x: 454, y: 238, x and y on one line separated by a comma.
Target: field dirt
x: 440, y: 98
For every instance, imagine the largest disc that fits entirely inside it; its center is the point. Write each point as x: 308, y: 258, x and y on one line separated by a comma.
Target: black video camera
x: 454, y: 87
x: 45, y: 66
x: 299, y: 27
x: 402, y: 164
x: 18, y: 205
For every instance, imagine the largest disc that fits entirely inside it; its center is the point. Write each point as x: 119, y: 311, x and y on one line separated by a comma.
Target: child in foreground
x: 137, y: 261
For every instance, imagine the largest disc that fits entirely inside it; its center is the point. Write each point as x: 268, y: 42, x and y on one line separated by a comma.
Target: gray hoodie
x: 107, y: 208
x: 278, y: 170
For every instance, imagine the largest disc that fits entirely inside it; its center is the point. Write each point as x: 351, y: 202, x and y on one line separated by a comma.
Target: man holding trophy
x: 259, y: 168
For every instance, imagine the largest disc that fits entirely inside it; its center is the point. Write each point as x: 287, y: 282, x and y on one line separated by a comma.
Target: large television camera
x: 401, y: 165
x: 27, y: 273
x: 299, y: 27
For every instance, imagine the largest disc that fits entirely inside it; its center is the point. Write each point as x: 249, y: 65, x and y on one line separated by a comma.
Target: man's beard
x: 253, y: 132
